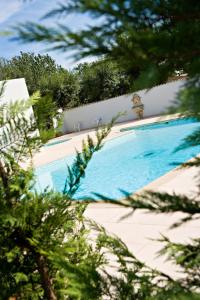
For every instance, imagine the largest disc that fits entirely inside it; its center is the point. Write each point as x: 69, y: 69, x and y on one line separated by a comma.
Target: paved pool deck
x: 140, y: 229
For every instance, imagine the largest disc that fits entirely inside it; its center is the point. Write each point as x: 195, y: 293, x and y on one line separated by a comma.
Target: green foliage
x: 63, y: 85
x: 150, y: 40
x: 187, y: 256
x: 42, y: 74
x: 47, y: 135
x: 188, y: 98
x: 29, y: 66
x: 46, y: 246
x: 48, y: 249
x: 45, y: 110
x: 89, y: 82
x: 101, y: 80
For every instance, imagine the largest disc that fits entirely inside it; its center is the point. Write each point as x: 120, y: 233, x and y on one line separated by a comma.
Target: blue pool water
x: 127, y: 163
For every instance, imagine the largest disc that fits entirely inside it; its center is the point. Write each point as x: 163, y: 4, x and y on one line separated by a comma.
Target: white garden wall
x: 155, y: 101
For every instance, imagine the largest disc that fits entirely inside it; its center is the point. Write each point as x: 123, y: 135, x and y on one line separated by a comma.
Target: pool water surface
x: 126, y: 163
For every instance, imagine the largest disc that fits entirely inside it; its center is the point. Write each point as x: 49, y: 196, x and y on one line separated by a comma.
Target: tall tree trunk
x: 46, y: 281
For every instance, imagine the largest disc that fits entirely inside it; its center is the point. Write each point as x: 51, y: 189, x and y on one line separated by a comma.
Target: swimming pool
x: 126, y: 163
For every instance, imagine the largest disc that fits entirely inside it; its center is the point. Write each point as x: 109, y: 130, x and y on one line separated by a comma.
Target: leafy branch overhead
x: 149, y: 38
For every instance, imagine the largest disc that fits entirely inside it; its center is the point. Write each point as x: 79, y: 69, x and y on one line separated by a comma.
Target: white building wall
x: 156, y: 101
x: 13, y: 91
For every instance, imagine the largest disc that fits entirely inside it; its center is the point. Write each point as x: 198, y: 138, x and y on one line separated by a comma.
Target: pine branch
x: 187, y: 256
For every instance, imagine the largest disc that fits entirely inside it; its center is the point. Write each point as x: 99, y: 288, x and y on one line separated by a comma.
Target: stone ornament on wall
x: 138, y: 106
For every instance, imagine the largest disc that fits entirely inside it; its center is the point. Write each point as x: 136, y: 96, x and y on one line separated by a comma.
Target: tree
x: 42, y: 74
x: 101, y: 80
x: 29, y: 66
x: 64, y: 88
x: 87, y: 83
x: 46, y: 247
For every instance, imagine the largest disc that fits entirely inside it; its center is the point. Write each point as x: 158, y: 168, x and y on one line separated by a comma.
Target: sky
x: 13, y: 12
